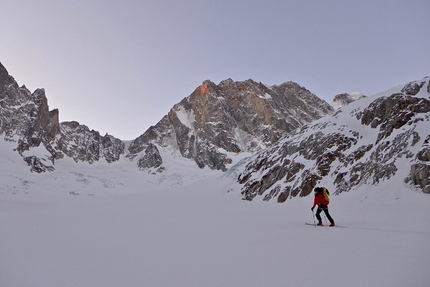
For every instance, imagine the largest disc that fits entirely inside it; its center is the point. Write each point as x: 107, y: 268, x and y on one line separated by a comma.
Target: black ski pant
x: 325, y: 209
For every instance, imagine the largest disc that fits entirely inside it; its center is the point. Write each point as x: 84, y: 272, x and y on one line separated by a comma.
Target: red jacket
x: 319, y: 199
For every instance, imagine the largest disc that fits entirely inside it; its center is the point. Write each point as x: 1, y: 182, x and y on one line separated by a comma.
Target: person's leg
x: 328, y: 216
x: 318, y: 216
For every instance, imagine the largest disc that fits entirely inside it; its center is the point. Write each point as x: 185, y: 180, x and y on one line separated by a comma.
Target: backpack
x: 326, y: 193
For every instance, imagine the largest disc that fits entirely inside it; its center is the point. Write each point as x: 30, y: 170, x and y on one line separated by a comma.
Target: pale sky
x: 119, y: 66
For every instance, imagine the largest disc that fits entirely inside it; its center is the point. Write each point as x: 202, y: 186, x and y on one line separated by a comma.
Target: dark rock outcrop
x: 343, y: 99
x: 151, y: 159
x: 83, y: 144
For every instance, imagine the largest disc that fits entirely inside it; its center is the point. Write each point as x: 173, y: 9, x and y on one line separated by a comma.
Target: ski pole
x: 313, y: 215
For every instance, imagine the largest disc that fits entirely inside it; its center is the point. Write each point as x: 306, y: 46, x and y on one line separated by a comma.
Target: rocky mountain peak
x: 205, y: 88
x: 25, y: 118
x: 5, y: 79
x: 231, y: 117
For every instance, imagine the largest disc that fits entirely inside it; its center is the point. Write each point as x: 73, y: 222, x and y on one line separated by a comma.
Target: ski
x: 307, y: 223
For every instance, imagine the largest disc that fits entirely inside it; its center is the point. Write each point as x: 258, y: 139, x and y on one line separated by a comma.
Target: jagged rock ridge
x: 366, y: 142
x: 26, y: 119
x: 208, y: 126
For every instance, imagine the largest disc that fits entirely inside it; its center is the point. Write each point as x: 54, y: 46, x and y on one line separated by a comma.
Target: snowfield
x: 199, y: 234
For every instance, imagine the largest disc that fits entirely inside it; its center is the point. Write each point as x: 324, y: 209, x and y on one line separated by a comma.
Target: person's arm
x: 315, y: 202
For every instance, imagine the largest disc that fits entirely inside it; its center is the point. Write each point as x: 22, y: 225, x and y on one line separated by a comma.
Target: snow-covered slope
x: 365, y: 143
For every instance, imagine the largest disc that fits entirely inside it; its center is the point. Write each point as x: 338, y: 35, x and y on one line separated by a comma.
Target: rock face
x: 216, y: 121
x: 26, y: 119
x: 151, y: 158
x: 82, y: 144
x: 364, y: 143
x: 25, y: 115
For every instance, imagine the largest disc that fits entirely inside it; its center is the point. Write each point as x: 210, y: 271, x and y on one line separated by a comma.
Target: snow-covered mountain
x: 365, y: 143
x: 26, y: 120
x: 219, y: 127
x: 211, y: 126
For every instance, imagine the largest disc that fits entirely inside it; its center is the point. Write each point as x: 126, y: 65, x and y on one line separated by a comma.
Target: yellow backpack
x: 326, y: 194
